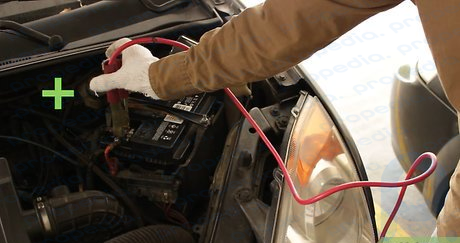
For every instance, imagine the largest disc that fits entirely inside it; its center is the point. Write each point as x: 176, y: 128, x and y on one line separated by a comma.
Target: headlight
x: 318, y: 160
x: 251, y: 3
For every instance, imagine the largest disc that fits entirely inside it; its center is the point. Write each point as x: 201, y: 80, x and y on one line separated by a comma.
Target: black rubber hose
x: 41, y: 146
x: 155, y: 234
x: 69, y: 212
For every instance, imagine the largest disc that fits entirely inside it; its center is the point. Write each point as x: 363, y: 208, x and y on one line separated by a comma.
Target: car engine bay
x: 141, y: 170
x: 78, y: 176
x: 163, y: 157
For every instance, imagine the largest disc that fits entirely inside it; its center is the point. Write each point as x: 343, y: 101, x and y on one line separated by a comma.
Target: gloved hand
x: 133, y: 74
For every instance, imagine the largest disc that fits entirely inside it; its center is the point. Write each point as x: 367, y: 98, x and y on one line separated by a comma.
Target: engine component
x: 156, y: 186
x: 155, y: 234
x: 159, y: 148
x: 10, y: 210
x: 88, y: 97
x: 66, y: 212
x: 157, y: 138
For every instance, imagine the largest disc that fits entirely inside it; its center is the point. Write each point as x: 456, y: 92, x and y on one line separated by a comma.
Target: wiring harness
x: 403, y: 184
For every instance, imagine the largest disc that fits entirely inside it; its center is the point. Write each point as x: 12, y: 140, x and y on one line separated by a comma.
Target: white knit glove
x: 133, y: 74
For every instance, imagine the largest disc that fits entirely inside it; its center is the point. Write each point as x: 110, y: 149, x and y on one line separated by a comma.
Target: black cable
x: 89, y: 176
x: 40, y: 153
x: 39, y: 113
x: 16, y: 97
x: 120, y: 193
x: 43, y: 114
x: 31, y: 91
x: 74, y: 162
x: 33, y: 150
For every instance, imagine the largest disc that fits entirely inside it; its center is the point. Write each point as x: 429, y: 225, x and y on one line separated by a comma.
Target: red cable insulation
x: 279, y: 160
x: 146, y: 40
x: 112, y: 164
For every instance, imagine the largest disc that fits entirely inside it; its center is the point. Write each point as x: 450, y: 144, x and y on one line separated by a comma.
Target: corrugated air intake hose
x: 155, y: 234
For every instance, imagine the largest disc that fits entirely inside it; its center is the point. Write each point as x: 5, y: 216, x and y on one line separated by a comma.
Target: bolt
x: 282, y: 122
x: 41, y: 205
x: 205, y: 121
x: 244, y: 195
x: 274, y: 112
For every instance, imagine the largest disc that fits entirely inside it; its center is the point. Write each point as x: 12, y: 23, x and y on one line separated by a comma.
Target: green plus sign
x: 57, y: 93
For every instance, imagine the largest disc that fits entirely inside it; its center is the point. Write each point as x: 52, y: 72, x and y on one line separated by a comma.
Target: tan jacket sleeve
x: 441, y: 22
x: 260, y: 42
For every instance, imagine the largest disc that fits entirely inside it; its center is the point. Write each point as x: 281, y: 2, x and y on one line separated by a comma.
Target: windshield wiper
x: 54, y: 42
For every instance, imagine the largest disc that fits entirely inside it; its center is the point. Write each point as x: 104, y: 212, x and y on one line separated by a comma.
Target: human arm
x: 258, y: 43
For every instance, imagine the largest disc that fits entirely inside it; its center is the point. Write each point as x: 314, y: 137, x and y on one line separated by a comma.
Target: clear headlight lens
x: 318, y: 160
x: 251, y: 3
